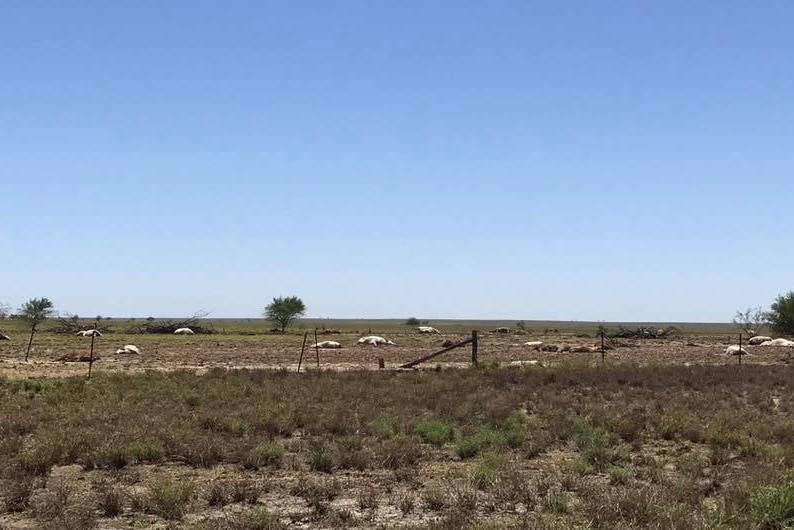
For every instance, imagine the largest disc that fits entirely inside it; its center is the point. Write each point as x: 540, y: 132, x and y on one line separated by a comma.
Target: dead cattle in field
x: 327, y: 344
x: 374, y: 340
x: 89, y: 333
x: 4, y: 337
x: 427, y: 330
x: 501, y: 330
x: 735, y: 349
x: 758, y: 339
x: 183, y: 331
x: 129, y: 348
x: 581, y: 348
x: 778, y: 342
x: 534, y: 344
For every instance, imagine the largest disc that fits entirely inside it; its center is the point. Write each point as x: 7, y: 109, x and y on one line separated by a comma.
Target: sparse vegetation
x: 34, y: 312
x: 283, y: 310
x: 781, y: 314
x: 619, y: 446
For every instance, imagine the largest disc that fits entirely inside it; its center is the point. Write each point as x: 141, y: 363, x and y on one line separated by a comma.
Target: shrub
x: 435, y: 432
x: 471, y: 446
x: 262, y: 519
x: 781, y: 314
x: 619, y: 475
x: 111, y: 501
x: 772, y: 506
x: 487, y: 470
x: 264, y: 454
x: 322, y: 459
x: 558, y: 502
x: 169, y: 499
x: 244, y: 490
x: 399, y: 452
x: 216, y: 495
x: 598, y: 446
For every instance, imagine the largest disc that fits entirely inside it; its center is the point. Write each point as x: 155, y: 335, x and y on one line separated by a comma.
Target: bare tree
x: 751, y: 321
x: 35, y: 311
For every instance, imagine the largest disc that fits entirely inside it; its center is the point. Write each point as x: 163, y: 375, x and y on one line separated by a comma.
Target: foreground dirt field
x: 218, y: 431
x: 555, y: 447
x: 203, y: 352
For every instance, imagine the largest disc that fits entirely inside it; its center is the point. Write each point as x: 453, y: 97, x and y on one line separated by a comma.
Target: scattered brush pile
x: 641, y: 332
x: 167, y: 327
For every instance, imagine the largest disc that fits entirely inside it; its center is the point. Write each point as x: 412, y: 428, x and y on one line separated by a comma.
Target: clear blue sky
x: 615, y: 160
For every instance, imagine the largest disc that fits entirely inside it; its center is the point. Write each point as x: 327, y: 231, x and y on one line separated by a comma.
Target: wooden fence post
x: 603, y: 357
x: 474, y: 334
x: 316, y: 348
x: 91, y: 357
x: 740, y: 349
x: 300, y: 359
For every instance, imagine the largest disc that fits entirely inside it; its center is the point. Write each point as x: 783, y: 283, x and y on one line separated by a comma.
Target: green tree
x: 781, y: 314
x: 34, y: 312
x: 283, y: 310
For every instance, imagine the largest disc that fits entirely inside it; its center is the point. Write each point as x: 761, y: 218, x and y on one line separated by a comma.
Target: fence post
x: 474, y: 334
x: 300, y: 359
x: 91, y: 357
x: 603, y: 357
x: 740, y: 349
x: 316, y: 348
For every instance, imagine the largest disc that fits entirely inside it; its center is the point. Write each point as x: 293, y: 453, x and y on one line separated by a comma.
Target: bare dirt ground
x: 204, y: 352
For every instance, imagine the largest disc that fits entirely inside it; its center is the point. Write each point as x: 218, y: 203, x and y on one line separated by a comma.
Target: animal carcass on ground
x: 89, y: 333
x: 735, y: 349
x: 129, y: 348
x: 374, y: 340
x: 583, y: 349
x: 4, y: 337
x: 427, y: 330
x: 327, y: 344
x: 778, y: 342
x: 183, y: 331
x: 535, y: 344
x: 758, y: 339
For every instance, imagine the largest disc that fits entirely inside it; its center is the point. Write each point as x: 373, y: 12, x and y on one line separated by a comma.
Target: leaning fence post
x: 474, y: 334
x: 316, y: 348
x: 300, y: 359
x: 91, y: 356
x: 603, y: 357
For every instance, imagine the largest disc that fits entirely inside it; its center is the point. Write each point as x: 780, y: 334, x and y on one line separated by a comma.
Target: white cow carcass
x: 374, y: 340
x: 183, y: 331
x: 327, y: 344
x: 89, y: 333
x: 778, y: 342
x: 757, y: 340
x: 3, y: 336
x: 534, y: 344
x: 427, y: 330
x: 735, y: 349
x: 129, y: 348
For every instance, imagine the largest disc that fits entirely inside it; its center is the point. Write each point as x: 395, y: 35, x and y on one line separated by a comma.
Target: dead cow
x: 374, y: 340
x: 327, y: 344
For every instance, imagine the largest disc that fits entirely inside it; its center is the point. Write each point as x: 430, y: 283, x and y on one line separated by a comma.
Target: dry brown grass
x: 616, y: 447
